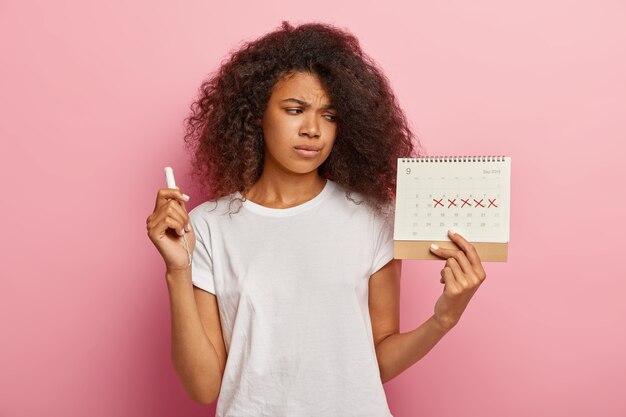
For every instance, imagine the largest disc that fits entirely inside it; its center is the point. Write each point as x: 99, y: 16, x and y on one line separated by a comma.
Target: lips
x: 308, y: 148
x: 307, y: 151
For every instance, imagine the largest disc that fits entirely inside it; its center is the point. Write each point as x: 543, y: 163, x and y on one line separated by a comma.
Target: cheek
x: 329, y: 149
x: 279, y: 130
x: 332, y: 133
x: 277, y: 140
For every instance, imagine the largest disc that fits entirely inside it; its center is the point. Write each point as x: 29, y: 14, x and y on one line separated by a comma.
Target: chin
x: 304, y: 168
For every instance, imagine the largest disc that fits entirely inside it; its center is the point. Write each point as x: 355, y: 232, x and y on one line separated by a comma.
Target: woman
x: 291, y: 304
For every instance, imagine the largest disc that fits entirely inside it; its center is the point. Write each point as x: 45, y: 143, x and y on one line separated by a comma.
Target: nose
x: 310, y: 126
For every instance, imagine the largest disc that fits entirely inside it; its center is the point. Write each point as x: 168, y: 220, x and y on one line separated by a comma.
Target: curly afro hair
x: 372, y: 130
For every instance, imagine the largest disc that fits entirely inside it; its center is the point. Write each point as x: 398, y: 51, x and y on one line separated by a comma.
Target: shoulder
x: 342, y: 195
x: 353, y: 208
x: 213, y: 208
x: 356, y: 202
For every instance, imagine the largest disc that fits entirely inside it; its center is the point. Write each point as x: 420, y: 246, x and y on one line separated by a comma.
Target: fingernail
x: 433, y: 246
x: 452, y: 231
x: 181, y: 232
x: 188, y: 227
x: 186, y: 197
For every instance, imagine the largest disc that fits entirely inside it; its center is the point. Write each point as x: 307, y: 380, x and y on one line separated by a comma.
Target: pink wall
x: 92, y: 99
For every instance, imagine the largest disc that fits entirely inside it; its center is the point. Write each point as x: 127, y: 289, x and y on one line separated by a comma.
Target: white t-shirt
x: 292, y: 289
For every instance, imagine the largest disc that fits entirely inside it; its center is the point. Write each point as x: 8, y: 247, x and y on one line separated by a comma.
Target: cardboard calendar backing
x: 468, y: 194
x: 410, y: 249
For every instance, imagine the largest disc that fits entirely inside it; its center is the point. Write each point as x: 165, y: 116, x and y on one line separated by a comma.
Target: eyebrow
x: 305, y: 104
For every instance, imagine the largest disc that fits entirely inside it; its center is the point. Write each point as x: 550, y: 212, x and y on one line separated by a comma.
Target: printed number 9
x: 408, y: 171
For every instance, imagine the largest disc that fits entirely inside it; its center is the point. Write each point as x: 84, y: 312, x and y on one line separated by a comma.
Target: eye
x: 330, y: 117
x: 293, y: 110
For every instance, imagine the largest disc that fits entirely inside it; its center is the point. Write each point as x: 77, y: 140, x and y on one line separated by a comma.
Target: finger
x: 451, y: 286
x: 175, y: 224
x: 465, y: 264
x: 443, y: 252
x: 183, y: 210
x: 159, y: 225
x: 165, y: 194
x: 469, y: 271
x: 187, y: 220
x: 458, y: 273
x: 466, y: 246
x: 471, y: 253
x: 171, y: 210
x: 178, y: 212
x: 182, y: 203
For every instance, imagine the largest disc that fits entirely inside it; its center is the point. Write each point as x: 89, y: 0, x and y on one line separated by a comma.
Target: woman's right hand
x: 166, y: 226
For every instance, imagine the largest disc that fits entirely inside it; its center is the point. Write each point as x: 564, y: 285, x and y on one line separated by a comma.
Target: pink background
x: 92, y: 99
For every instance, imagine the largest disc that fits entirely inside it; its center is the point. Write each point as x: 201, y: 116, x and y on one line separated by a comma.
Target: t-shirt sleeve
x: 202, y: 259
x: 383, y: 248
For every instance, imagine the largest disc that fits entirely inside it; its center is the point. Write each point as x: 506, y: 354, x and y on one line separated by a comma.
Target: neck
x: 276, y: 189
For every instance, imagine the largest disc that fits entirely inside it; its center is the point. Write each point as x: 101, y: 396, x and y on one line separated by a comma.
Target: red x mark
x: 465, y: 202
x: 451, y: 203
x: 478, y: 202
x: 438, y: 202
x: 491, y: 203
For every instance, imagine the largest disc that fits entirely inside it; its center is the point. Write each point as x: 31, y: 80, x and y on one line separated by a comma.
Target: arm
x: 198, y: 351
x: 397, y: 351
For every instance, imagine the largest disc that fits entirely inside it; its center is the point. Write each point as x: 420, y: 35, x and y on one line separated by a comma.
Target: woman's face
x: 299, y: 125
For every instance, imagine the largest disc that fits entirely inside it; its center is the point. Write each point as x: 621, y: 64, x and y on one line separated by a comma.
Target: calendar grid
x: 471, y: 197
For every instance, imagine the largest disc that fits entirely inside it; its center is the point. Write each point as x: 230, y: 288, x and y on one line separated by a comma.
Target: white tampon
x: 169, y: 177
x: 171, y: 183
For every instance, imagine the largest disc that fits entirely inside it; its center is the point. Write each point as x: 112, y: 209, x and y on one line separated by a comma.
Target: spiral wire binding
x: 447, y: 158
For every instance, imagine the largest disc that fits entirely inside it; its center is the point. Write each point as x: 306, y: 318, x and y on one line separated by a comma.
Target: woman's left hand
x: 462, y: 275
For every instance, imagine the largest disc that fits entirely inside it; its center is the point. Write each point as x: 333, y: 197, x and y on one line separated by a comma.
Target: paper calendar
x: 470, y: 194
